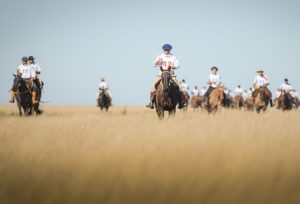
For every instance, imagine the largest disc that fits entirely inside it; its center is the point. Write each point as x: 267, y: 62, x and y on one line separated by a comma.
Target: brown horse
x: 215, y: 99
x: 166, y: 97
x: 261, y: 98
x: 238, y: 101
x: 285, y: 101
x: 186, y: 99
x: 196, y: 102
x: 249, y: 104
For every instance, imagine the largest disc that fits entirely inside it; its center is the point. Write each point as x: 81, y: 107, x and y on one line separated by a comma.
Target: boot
x: 271, y: 102
x: 150, y: 105
x: 12, y: 96
x: 181, y: 102
x: 152, y: 95
x: 34, y: 101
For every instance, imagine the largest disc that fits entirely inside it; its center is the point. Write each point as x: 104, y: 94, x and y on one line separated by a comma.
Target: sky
x: 76, y: 42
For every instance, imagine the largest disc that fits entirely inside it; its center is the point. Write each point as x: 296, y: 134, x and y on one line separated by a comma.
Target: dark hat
x: 286, y: 80
x: 24, y: 58
x: 31, y: 58
x: 167, y: 47
x: 216, y: 68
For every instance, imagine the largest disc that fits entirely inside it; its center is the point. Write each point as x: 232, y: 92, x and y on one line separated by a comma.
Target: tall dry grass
x: 80, y: 155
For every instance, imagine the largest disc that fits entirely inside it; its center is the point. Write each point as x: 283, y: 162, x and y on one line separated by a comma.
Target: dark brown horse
x: 103, y: 100
x: 24, y: 96
x: 285, y: 101
x: 166, y: 97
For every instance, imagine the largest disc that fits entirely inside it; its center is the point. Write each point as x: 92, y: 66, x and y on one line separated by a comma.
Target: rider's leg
x: 206, y: 95
x: 34, y: 93
x: 12, y: 95
x: 180, y: 94
x: 152, y: 93
x: 269, y: 94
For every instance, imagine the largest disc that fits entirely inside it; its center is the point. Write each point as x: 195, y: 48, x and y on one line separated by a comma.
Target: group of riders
x: 169, y: 62
x: 29, y: 71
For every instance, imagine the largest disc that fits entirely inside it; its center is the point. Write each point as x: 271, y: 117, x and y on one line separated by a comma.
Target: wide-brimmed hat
x: 260, y: 70
x: 31, y: 58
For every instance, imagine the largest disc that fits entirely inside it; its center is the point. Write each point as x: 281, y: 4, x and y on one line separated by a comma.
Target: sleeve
x: 176, y: 63
x: 38, y: 68
x: 255, y: 80
x: 33, y: 74
x: 157, y: 61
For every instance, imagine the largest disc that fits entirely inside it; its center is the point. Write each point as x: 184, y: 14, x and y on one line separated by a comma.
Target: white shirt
x: 294, y: 94
x: 249, y: 94
x: 164, y: 61
x: 103, y: 85
x: 215, y: 79
x: 26, y: 71
x: 195, y: 92
x: 286, y: 87
x: 36, y: 68
x: 203, y: 91
x: 238, y: 91
x: 185, y: 86
x: 261, y: 81
x: 277, y: 94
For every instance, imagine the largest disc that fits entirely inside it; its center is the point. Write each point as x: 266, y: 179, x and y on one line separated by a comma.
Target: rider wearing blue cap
x: 166, y: 61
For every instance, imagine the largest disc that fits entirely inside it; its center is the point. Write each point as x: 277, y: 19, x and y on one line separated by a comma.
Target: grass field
x: 77, y: 154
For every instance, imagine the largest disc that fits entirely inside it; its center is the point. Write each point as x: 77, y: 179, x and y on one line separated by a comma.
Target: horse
x: 24, y: 96
x: 186, y: 99
x: 285, y: 101
x: 261, y: 100
x: 216, y: 99
x: 249, y: 104
x: 196, y: 102
x: 167, y: 95
x: 103, y: 100
x: 238, y: 101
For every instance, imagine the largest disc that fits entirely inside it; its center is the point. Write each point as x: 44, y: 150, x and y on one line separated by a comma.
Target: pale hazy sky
x: 77, y: 42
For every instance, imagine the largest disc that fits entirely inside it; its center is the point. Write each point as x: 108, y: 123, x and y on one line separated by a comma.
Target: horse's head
x: 220, y: 89
x: 165, y: 78
x: 16, y: 82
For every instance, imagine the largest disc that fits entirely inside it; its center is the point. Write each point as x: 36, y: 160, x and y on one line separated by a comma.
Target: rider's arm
x: 157, y: 61
x: 176, y: 64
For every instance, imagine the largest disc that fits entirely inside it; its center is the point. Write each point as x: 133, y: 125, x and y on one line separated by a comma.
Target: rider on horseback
x: 195, y: 92
x: 238, y: 91
x: 261, y: 80
x: 287, y: 88
x: 213, y: 81
x: 166, y: 61
x: 103, y: 86
x: 37, y: 69
x: 27, y: 74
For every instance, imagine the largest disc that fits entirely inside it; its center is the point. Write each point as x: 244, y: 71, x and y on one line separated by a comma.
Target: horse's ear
x: 14, y: 75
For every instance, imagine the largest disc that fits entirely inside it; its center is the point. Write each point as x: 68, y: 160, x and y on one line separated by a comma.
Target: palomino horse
x: 216, y: 98
x: 238, y: 101
x: 103, y: 100
x: 261, y: 100
x: 285, y: 101
x: 166, y: 97
x: 196, y: 102
x: 24, y: 96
